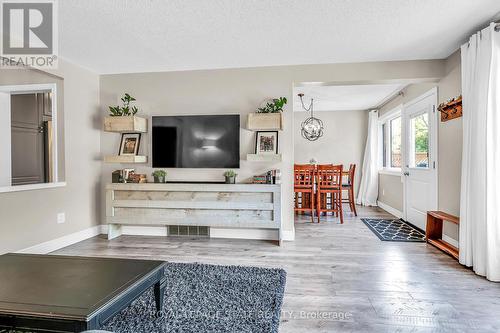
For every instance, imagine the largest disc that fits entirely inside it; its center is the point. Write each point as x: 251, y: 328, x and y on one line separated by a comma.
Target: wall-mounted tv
x: 196, y: 141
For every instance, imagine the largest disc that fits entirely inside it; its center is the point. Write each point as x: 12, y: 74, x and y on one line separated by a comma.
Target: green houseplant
x: 230, y: 176
x: 160, y: 176
x: 126, y: 109
x: 274, y: 105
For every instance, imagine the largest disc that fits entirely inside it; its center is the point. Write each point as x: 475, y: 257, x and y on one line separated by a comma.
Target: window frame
x: 30, y: 88
x: 385, y: 142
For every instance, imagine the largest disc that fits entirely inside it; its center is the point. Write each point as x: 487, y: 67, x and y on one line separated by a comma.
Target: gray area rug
x: 208, y: 298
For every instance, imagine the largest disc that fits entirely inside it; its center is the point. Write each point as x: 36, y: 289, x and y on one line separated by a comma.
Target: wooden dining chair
x: 349, y: 187
x: 329, y: 181
x: 304, y: 176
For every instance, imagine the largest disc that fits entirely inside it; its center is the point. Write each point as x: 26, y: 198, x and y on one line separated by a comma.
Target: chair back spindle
x: 303, y: 175
x: 304, y: 178
x: 329, y: 176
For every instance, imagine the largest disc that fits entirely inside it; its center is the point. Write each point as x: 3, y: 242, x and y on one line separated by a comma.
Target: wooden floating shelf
x: 126, y: 159
x: 128, y: 124
x: 264, y: 157
x: 265, y: 121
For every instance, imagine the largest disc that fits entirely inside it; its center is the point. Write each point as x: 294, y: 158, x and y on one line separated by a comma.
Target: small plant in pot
x: 160, y: 176
x: 126, y: 110
x: 274, y: 105
x: 230, y: 176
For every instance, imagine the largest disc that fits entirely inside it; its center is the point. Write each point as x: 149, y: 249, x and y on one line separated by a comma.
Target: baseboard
x: 262, y: 234
x: 390, y: 210
x: 450, y: 240
x: 64, y: 241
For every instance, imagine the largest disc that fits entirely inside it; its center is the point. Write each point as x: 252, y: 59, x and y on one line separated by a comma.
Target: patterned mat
x: 394, y: 230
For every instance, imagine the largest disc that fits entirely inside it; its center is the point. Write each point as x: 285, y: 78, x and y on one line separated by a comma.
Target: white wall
x: 450, y: 146
x: 5, y: 138
x: 30, y: 217
x: 343, y: 141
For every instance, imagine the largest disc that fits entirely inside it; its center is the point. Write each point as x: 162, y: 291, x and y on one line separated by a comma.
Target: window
x: 419, y: 141
x: 28, y: 117
x: 395, y: 138
x: 391, y: 139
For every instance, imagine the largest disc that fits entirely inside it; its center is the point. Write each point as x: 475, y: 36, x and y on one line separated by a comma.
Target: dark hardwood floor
x: 341, y: 278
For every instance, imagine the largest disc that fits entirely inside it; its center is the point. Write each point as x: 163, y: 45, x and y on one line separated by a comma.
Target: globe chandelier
x: 312, y: 127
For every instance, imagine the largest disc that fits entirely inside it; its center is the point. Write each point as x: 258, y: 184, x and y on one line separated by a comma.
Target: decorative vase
x: 230, y: 180
x: 159, y: 180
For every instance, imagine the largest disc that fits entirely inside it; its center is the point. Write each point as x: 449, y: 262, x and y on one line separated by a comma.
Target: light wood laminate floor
x: 341, y: 278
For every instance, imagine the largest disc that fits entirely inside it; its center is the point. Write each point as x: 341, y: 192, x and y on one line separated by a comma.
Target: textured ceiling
x: 118, y: 36
x: 345, y: 98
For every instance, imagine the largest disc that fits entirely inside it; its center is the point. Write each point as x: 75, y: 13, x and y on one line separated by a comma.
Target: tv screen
x: 196, y: 141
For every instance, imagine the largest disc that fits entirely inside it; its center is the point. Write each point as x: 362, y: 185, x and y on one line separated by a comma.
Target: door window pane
x: 395, y: 133
x: 419, y: 141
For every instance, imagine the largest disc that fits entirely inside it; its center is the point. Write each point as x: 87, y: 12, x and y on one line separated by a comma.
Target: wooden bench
x: 434, y: 231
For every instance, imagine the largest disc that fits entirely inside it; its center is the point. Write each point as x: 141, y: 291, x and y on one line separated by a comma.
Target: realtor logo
x: 29, y: 33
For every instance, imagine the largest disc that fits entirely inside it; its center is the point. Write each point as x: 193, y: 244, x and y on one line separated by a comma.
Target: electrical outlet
x: 61, y: 218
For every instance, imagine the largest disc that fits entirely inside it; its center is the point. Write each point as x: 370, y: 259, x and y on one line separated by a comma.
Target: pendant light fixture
x: 312, y: 127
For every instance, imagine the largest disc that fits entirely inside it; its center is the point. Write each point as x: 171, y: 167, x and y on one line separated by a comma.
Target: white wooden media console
x: 247, y: 206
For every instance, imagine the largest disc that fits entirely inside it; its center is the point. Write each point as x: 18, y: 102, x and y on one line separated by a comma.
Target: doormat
x: 394, y: 230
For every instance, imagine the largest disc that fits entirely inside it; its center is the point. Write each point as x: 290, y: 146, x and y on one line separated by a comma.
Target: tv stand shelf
x: 238, y: 206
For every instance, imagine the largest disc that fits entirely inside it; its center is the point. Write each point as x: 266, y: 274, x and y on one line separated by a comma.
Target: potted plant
x: 123, y: 118
x: 274, y: 105
x: 268, y: 116
x: 126, y: 109
x: 160, y: 176
x: 230, y: 176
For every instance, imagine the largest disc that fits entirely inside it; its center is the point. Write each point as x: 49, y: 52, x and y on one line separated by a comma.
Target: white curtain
x: 368, y: 187
x: 480, y: 192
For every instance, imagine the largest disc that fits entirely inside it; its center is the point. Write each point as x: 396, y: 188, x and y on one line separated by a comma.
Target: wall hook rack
x: 451, y: 109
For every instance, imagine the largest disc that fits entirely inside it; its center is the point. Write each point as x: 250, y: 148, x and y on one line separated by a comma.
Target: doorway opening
x: 344, y: 112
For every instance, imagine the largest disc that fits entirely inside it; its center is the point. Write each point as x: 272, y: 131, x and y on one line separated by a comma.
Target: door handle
x: 406, y: 173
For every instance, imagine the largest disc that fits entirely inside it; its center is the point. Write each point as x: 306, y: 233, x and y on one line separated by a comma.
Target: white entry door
x: 420, y: 158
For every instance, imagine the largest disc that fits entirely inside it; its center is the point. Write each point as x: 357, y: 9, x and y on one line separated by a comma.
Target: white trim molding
x: 390, y: 210
x: 63, y: 241
x: 260, y: 234
x: 31, y: 187
x: 35, y: 88
x: 135, y: 230
x: 288, y: 235
x: 390, y: 172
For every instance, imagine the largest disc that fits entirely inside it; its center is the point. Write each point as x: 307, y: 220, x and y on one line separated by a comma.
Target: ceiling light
x: 311, y: 128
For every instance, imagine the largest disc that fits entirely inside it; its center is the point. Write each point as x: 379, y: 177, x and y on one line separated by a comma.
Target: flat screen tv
x: 196, y: 141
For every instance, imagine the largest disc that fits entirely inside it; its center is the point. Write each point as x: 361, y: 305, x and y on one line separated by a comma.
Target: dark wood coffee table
x: 72, y: 294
